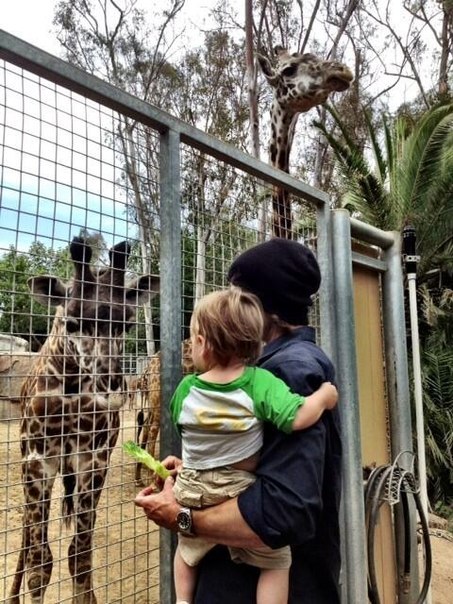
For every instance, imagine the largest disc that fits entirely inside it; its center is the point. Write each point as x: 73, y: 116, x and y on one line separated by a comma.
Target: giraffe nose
x: 109, y: 382
x: 109, y: 366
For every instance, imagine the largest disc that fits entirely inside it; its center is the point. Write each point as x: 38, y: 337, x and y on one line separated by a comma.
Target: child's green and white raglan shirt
x: 221, y: 424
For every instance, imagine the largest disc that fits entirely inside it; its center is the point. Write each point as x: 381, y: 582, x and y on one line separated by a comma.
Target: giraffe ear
x: 143, y: 289
x: 267, y: 69
x: 47, y: 290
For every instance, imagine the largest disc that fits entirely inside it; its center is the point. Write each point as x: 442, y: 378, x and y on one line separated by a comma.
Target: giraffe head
x: 94, y: 311
x: 302, y: 81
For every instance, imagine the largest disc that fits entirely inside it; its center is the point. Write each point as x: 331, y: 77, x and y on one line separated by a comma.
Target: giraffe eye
x: 72, y: 325
x: 289, y: 71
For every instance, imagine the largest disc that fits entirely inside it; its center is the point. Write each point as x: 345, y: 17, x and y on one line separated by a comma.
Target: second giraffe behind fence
x: 148, y: 390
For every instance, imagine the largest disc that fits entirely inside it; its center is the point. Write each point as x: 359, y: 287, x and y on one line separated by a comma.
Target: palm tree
x: 437, y: 383
x: 411, y: 182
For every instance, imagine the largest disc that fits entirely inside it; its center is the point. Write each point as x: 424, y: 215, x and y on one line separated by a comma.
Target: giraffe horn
x: 81, y: 254
x: 119, y: 256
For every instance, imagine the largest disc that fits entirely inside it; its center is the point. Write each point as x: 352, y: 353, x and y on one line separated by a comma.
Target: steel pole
x: 353, y: 508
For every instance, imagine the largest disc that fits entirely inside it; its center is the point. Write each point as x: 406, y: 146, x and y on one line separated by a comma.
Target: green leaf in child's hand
x: 144, y: 457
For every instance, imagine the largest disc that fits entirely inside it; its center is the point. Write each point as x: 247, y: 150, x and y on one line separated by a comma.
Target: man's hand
x: 162, y: 508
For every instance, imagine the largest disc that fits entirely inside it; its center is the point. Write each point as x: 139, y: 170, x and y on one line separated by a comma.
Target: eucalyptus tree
x: 212, y: 96
x: 406, y: 36
x: 113, y: 40
x: 19, y: 314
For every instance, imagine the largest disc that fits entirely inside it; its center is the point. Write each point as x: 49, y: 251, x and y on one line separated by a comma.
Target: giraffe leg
x: 90, y: 471
x: 36, y: 558
x: 154, y: 421
x: 142, y: 430
x: 80, y: 556
x: 80, y: 549
x: 20, y: 569
x: 153, y: 432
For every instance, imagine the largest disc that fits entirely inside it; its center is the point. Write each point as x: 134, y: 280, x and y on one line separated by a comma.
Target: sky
x: 35, y: 200
x: 37, y: 27
x: 31, y: 20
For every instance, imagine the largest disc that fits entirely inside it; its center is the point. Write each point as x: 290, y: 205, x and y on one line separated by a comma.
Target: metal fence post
x: 170, y: 326
x: 326, y: 291
x: 354, y: 546
x: 399, y: 396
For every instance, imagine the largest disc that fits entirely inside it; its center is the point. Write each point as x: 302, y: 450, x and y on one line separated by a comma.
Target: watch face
x: 184, y: 520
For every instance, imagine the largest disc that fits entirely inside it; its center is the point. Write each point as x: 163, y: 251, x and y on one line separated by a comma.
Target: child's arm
x: 308, y: 414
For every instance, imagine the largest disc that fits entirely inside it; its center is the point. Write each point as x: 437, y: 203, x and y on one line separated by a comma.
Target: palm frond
x: 422, y: 161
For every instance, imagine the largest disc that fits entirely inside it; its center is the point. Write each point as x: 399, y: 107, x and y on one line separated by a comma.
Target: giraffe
x: 69, y: 423
x: 148, y: 384
x: 300, y: 82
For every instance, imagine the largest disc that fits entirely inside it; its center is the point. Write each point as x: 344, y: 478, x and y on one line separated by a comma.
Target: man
x: 295, y: 499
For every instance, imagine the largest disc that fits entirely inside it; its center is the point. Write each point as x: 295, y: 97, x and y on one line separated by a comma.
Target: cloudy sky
x: 31, y: 20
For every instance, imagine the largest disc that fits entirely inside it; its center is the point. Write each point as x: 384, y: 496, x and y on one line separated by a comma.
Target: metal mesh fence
x: 63, y: 176
x: 71, y: 167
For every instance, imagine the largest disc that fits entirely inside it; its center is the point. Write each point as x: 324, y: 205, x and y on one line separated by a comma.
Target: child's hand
x: 329, y: 394
x: 173, y: 464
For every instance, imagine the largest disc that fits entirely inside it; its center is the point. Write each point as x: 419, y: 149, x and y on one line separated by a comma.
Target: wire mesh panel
x: 78, y: 179
x: 63, y: 176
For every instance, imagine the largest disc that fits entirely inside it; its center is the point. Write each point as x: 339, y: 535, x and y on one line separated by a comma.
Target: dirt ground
x: 442, y: 581
x: 126, y: 555
x: 126, y: 545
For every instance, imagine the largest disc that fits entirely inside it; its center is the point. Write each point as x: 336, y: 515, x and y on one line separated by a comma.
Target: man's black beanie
x: 283, y: 274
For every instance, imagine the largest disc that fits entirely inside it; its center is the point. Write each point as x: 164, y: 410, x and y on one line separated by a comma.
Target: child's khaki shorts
x: 202, y: 488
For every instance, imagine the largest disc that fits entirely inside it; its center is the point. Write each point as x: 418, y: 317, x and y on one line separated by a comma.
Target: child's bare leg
x: 185, y: 580
x: 273, y: 586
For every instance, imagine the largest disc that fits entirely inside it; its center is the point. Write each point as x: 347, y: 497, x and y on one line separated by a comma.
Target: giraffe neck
x: 282, y: 133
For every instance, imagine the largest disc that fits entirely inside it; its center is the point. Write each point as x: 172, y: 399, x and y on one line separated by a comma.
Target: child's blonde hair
x: 232, y: 323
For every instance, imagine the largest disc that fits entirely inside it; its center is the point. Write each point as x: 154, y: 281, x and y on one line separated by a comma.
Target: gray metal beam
x: 170, y: 325
x: 372, y: 263
x: 371, y: 234
x: 399, y: 400
x: 353, y: 511
x: 326, y: 291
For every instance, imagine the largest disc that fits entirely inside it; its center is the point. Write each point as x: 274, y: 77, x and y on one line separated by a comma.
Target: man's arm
x: 222, y: 523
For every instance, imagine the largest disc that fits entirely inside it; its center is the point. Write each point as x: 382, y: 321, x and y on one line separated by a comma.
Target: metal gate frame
x: 335, y: 229
x: 344, y: 229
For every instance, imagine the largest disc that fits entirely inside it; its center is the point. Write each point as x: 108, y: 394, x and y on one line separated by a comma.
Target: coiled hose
x: 393, y: 485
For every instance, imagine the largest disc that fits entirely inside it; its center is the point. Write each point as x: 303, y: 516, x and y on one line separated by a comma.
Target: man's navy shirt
x: 295, y: 499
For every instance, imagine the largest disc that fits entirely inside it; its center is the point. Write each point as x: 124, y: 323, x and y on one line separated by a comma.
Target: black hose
x: 375, y: 501
x: 377, y: 490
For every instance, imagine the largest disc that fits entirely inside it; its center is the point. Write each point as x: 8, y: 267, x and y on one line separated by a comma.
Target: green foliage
x: 437, y: 381
x: 19, y: 314
x: 411, y: 181
x: 142, y: 456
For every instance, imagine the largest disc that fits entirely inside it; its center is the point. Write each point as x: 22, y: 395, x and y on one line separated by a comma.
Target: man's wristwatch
x: 184, y: 521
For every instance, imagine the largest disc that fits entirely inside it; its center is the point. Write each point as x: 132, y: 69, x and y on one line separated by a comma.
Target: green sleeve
x: 181, y: 392
x: 274, y: 402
